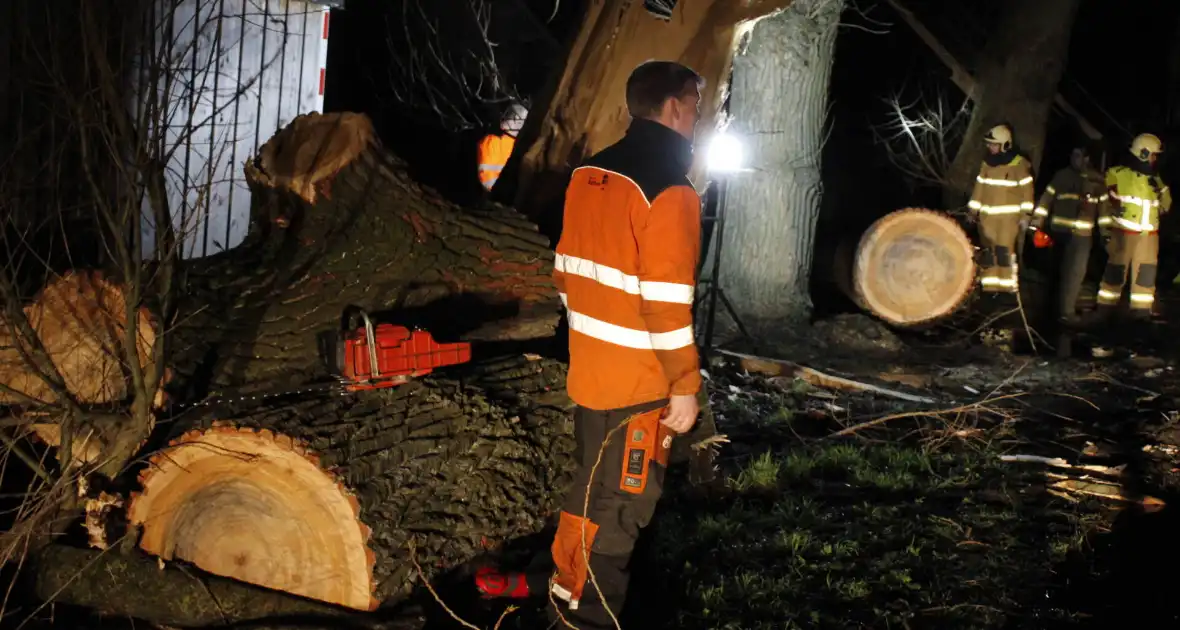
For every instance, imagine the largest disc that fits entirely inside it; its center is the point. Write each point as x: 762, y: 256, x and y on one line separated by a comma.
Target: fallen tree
x: 321, y: 495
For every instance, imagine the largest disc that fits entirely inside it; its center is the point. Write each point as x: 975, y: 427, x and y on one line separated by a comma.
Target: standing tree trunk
x: 779, y: 105
x: 1017, y: 83
x: 583, y: 110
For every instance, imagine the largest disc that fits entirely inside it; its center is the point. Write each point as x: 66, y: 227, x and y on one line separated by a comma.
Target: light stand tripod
x: 713, y: 291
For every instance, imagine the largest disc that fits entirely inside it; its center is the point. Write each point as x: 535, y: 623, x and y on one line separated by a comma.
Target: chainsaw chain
x: 337, y: 387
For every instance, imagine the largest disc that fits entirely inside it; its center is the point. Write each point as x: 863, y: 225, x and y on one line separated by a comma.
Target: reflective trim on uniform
x: 1105, y: 221
x: 1076, y: 224
x: 496, y: 168
x: 629, y: 337
x: 611, y: 277
x: 974, y: 205
x: 1134, y: 226
x: 987, y: 181
x: 1138, y: 201
x: 1142, y: 298
x: 666, y: 292
x: 1069, y: 196
x: 1010, y: 209
x: 992, y: 281
x: 1026, y: 206
x: 1041, y: 212
x: 1105, y: 296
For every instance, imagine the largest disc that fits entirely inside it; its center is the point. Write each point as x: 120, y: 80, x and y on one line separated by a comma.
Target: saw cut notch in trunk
x: 912, y: 266
x: 256, y: 507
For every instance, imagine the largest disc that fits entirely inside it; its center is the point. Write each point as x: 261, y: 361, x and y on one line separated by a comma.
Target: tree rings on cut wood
x: 80, y: 319
x: 256, y: 507
x: 913, y: 266
x: 307, y: 153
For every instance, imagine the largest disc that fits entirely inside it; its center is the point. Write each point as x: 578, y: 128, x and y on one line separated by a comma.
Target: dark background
x: 1118, y: 76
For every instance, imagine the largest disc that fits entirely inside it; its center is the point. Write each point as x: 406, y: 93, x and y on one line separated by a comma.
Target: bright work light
x: 724, y: 154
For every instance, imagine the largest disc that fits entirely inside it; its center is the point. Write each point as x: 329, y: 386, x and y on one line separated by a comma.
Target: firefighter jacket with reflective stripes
x: 1003, y: 187
x: 1071, y: 201
x: 1136, y: 200
x: 626, y: 271
x: 494, y: 151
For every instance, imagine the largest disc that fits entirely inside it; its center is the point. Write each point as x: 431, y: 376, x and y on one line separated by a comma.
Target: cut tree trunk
x: 321, y: 495
x: 80, y: 320
x: 779, y: 109
x: 339, y: 222
x: 1016, y: 83
x: 911, y: 267
x: 584, y: 110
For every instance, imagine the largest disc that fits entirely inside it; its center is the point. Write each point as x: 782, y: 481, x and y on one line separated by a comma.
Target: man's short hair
x: 654, y: 82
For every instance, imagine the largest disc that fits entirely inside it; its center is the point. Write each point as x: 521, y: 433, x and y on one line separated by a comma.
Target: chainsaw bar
x: 337, y: 386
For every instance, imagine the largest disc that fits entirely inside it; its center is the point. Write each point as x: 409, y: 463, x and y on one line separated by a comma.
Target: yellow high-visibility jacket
x: 1003, y: 189
x: 1136, y: 200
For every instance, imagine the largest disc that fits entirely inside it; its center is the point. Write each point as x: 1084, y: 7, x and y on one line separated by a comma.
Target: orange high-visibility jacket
x: 626, y: 270
x: 494, y: 151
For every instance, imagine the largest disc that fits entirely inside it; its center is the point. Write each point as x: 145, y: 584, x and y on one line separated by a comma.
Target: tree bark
x: 1017, y: 83
x: 133, y: 585
x: 455, y: 463
x: 358, y: 231
x: 583, y: 110
x: 779, y: 108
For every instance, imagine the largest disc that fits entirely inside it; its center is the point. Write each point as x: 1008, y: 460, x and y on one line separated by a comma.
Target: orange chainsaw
x: 363, y: 356
x: 384, y: 355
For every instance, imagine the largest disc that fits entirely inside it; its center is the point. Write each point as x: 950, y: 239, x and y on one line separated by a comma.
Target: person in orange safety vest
x: 625, y: 269
x: 496, y: 148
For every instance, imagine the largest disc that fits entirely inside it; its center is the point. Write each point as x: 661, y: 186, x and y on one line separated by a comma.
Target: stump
x: 80, y: 319
x: 911, y: 267
x: 320, y: 497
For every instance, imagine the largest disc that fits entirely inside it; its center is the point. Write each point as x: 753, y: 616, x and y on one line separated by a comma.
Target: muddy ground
x: 915, y: 521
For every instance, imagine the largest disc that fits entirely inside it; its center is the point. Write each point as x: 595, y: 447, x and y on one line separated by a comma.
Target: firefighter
x: 496, y: 148
x: 1070, y: 205
x: 1129, y: 222
x: 625, y: 268
x: 1002, y: 202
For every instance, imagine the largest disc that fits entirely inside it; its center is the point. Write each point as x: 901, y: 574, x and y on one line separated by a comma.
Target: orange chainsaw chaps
x: 647, y: 440
x: 571, y: 558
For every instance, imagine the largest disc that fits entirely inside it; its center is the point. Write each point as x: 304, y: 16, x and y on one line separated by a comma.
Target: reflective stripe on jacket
x: 1072, y: 198
x: 494, y: 151
x: 1003, y: 189
x: 1136, y: 200
x: 626, y: 270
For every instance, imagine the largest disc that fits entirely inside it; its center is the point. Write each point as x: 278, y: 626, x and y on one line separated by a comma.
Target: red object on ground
x: 400, y: 355
x: 1042, y: 239
x: 492, y: 583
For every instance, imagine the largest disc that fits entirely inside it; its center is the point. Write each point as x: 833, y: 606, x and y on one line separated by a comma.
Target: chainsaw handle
x: 370, y: 336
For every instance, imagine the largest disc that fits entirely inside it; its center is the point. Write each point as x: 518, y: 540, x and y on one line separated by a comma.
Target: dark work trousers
x: 1071, y: 257
x: 626, y: 485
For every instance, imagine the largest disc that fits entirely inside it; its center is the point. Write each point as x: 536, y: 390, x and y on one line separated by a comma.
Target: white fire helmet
x: 1145, y: 145
x: 514, y: 119
x: 1001, y: 135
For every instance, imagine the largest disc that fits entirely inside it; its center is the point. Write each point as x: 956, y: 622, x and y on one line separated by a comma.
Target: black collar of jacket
x: 1143, y: 168
x: 660, y: 143
x: 1001, y: 158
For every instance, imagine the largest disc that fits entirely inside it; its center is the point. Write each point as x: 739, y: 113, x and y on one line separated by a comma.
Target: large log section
x: 911, y: 267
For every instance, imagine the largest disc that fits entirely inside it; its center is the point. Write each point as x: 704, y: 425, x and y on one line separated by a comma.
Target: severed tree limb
x: 775, y: 367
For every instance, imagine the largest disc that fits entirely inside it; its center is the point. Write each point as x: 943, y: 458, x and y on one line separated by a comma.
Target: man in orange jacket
x: 626, y: 271
x: 496, y: 148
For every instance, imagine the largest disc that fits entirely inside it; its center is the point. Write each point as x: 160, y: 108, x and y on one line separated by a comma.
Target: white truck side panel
x: 239, y: 71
